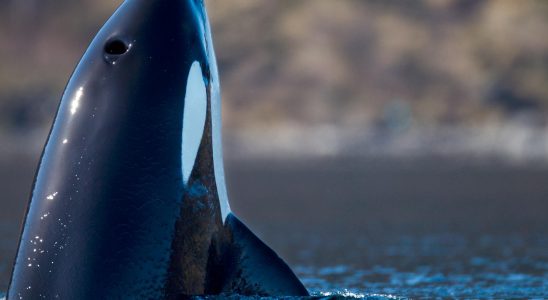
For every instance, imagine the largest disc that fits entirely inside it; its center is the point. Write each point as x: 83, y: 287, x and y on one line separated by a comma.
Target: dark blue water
x: 436, y: 266
x: 426, y: 267
x: 446, y: 266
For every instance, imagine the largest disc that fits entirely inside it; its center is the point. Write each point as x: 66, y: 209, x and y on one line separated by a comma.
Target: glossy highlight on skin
x: 129, y: 200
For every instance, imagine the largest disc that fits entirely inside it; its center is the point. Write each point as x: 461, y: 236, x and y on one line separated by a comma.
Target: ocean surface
x: 376, y: 228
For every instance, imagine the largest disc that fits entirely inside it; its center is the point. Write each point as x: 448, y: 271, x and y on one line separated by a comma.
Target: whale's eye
x: 116, y: 47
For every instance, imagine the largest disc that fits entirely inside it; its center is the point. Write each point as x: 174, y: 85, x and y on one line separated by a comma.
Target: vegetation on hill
x: 357, y: 64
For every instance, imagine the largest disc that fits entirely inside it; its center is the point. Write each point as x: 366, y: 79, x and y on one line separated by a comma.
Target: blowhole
x: 116, y: 47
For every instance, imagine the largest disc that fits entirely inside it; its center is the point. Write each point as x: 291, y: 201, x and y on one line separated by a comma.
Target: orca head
x: 156, y: 57
x: 159, y: 54
x: 149, y: 75
x: 147, y: 67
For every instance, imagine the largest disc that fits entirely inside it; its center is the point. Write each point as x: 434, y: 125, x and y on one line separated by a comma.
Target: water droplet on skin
x: 52, y: 196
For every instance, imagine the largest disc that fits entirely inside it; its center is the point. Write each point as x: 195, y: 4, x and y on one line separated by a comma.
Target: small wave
x: 345, y: 294
x: 337, y: 295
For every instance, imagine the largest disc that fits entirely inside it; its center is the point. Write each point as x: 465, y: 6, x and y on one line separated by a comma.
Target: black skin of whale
x: 110, y: 215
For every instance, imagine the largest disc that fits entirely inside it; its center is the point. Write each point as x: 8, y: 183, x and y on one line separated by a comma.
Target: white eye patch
x: 193, y: 119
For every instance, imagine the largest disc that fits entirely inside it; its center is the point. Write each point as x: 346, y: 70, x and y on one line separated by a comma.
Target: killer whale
x: 129, y: 199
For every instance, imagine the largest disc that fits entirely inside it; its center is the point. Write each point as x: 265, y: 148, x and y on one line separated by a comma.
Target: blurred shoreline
x: 509, y: 143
